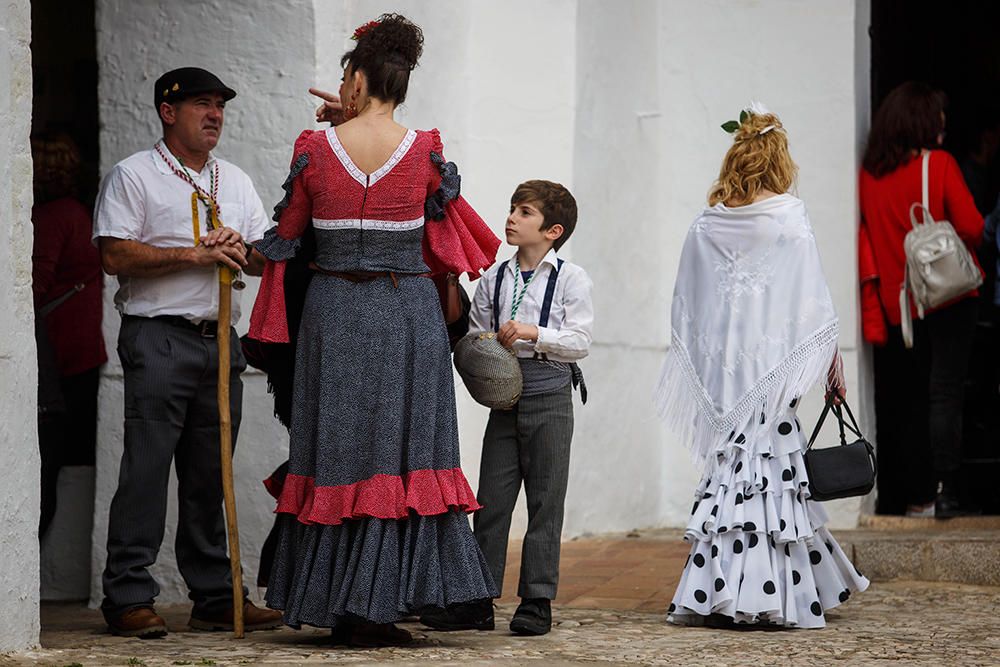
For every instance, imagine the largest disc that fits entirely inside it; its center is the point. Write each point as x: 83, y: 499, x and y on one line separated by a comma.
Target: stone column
x: 19, y: 462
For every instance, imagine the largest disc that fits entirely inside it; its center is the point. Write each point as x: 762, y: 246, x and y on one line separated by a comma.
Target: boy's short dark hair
x: 554, y: 201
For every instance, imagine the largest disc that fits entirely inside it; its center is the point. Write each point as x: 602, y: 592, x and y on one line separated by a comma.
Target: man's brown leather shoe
x: 254, y: 618
x: 140, y: 622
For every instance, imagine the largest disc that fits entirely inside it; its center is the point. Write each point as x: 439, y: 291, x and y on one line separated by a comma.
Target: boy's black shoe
x: 475, y: 615
x: 533, y: 617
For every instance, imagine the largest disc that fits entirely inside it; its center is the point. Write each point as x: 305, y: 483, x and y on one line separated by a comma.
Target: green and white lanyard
x: 517, y: 297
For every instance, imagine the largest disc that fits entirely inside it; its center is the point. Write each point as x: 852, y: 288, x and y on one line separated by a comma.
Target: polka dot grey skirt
x: 761, y: 553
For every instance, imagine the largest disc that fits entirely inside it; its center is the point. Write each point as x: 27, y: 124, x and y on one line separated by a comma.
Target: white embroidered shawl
x: 752, y: 320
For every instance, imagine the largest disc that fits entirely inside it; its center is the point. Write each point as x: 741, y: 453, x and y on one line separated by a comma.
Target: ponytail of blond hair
x: 758, y: 160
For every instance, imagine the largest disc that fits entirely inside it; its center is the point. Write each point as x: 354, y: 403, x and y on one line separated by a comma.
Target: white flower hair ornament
x: 755, y: 108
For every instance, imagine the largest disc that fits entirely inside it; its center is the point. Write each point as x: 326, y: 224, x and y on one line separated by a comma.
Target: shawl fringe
x: 687, y: 409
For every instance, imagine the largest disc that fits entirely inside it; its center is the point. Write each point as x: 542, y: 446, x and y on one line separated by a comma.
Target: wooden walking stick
x: 226, y: 440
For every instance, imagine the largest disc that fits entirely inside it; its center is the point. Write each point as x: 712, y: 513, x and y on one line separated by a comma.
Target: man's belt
x: 205, y: 328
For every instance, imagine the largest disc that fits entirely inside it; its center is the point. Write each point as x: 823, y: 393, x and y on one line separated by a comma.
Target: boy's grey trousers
x: 528, y: 443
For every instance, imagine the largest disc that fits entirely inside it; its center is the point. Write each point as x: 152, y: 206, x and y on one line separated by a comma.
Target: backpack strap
x: 924, y: 179
x: 905, y: 316
x: 501, y: 271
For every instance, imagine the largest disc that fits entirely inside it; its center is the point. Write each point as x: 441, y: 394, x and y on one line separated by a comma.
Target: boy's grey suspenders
x: 543, y: 319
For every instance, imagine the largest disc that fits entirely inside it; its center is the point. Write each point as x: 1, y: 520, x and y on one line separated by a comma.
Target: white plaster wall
x: 66, y: 549
x: 656, y: 81
x: 862, y: 123
x: 498, y: 80
x: 619, y: 101
x: 264, y: 50
x: 19, y: 490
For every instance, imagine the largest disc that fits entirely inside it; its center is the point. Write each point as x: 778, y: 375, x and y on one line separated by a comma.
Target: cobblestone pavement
x: 610, y: 611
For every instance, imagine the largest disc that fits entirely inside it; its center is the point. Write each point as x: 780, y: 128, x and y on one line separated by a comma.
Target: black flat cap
x: 180, y: 83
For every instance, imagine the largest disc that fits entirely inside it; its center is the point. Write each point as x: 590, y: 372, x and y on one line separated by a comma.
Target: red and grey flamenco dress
x: 372, y: 511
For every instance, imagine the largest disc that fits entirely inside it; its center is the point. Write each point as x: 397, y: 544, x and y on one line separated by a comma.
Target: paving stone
x: 894, y: 623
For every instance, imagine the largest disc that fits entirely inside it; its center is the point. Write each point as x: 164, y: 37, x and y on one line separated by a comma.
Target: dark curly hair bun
x: 387, y: 52
x: 397, y: 37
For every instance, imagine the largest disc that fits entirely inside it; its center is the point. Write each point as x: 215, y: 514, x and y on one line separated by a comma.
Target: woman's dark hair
x: 56, y: 161
x: 387, y: 51
x: 909, y: 119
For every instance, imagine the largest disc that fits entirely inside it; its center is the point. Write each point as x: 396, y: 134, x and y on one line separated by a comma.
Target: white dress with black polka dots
x: 761, y: 552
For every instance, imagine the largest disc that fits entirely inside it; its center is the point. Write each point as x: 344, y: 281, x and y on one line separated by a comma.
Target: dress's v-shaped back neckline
x: 356, y: 172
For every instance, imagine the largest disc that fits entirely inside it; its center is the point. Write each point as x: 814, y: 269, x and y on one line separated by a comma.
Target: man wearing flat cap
x: 166, y: 219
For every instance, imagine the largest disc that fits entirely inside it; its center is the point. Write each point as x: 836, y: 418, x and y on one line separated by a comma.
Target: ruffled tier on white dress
x: 761, y: 553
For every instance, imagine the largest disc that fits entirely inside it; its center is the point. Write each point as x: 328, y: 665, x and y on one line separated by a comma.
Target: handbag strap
x: 822, y: 418
x: 61, y: 299
x: 853, y: 426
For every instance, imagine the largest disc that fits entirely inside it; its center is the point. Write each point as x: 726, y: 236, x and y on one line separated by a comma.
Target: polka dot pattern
x: 766, y: 539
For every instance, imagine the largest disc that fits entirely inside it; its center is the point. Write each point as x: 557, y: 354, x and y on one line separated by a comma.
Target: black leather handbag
x: 840, y: 471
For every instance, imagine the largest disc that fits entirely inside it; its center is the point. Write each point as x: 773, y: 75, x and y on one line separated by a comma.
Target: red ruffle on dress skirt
x: 426, y: 492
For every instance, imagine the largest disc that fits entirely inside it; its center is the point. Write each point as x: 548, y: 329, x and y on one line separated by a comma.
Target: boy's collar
x: 550, y: 258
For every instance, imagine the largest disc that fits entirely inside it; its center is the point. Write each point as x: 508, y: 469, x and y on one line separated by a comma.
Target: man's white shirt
x: 142, y: 199
x: 568, y: 334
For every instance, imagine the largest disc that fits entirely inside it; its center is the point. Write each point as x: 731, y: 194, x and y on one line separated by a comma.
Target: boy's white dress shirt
x: 568, y: 335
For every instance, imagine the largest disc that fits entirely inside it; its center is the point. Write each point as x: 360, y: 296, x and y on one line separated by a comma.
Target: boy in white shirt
x: 540, y: 306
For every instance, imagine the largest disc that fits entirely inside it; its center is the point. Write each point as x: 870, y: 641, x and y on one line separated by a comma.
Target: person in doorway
x: 67, y: 281
x: 372, y: 520
x: 753, y: 328
x: 540, y: 306
x: 919, y: 393
x: 157, y: 233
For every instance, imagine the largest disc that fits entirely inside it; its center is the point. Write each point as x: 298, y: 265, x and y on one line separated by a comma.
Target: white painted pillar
x: 19, y: 461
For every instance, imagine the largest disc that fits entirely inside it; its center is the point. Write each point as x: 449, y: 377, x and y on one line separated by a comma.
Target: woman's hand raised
x: 330, y: 111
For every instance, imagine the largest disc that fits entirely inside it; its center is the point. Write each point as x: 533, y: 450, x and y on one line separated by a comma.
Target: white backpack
x: 939, y: 266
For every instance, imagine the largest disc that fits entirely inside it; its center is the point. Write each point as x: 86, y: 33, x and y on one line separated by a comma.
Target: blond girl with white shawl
x: 753, y: 329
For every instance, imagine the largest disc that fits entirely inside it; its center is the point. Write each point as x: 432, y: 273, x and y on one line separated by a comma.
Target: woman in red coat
x: 67, y: 282
x: 919, y: 392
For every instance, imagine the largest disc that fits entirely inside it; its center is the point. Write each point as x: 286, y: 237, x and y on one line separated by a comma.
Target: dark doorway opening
x: 64, y: 73
x: 953, y: 47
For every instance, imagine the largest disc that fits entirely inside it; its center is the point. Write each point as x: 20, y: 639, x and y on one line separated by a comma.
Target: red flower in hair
x: 363, y: 29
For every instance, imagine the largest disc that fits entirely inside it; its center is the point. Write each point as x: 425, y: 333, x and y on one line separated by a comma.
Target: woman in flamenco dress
x: 753, y: 327
x: 372, y: 520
